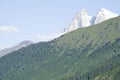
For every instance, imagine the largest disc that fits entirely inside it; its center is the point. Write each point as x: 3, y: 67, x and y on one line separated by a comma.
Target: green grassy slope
x: 91, y: 53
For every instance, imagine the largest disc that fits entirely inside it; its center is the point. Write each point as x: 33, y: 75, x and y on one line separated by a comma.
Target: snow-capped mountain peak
x: 83, y: 12
x: 103, y: 15
x: 82, y: 19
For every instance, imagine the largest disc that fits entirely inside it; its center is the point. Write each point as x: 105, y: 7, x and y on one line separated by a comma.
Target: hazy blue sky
x: 33, y: 19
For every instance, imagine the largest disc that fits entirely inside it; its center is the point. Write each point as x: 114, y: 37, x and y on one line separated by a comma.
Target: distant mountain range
x: 14, y: 48
x: 82, y: 19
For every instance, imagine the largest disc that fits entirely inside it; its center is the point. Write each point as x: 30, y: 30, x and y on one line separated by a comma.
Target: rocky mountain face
x: 83, y: 19
x: 14, y: 48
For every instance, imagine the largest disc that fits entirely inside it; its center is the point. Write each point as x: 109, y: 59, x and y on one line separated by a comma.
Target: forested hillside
x: 91, y: 53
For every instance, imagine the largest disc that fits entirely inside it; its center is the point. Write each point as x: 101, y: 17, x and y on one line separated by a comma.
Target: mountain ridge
x: 6, y: 51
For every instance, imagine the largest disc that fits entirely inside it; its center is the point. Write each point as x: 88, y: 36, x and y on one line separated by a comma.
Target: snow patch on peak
x: 103, y: 9
x: 103, y: 15
x: 82, y: 19
x: 83, y: 12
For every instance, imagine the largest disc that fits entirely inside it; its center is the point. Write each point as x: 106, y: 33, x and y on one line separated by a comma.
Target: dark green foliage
x: 91, y: 53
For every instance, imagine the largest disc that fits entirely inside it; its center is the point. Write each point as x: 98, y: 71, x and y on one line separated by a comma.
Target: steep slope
x: 90, y: 53
x: 82, y: 19
x: 14, y: 48
x: 103, y: 15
